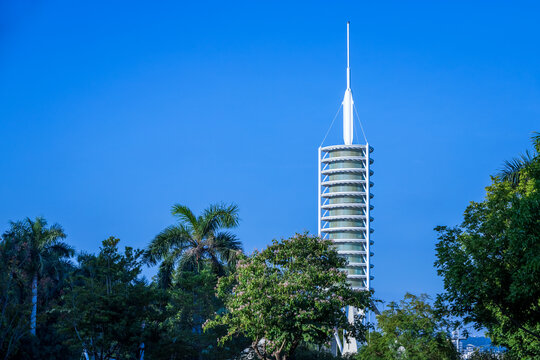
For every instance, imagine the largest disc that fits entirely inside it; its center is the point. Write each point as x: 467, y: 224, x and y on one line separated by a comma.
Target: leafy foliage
x: 491, y: 262
x: 103, y: 306
x: 46, y: 251
x: 410, y: 330
x: 512, y: 170
x: 15, y: 314
x: 195, y: 239
x: 35, y: 266
x: 488, y: 355
x: 189, y: 302
x: 106, y: 304
x: 289, y: 293
x: 307, y: 352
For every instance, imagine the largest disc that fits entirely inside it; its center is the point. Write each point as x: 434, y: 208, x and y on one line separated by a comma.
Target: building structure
x: 344, y: 204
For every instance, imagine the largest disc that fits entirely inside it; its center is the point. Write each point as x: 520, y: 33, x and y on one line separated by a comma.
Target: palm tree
x: 194, y: 240
x: 512, y: 169
x: 47, y: 255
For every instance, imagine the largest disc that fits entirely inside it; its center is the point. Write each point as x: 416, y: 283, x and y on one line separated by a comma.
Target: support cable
x: 355, y: 130
x: 359, y: 122
x: 330, y: 128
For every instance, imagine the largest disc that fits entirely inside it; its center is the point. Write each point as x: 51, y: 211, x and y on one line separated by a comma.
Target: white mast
x: 348, y: 103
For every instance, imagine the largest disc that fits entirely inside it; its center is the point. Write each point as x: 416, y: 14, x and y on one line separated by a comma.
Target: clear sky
x: 111, y: 112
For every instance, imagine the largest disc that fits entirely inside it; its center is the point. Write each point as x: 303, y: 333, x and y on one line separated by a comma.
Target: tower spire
x: 348, y: 102
x: 348, y: 67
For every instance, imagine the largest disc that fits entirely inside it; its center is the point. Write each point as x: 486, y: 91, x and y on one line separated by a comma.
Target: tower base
x: 343, y: 344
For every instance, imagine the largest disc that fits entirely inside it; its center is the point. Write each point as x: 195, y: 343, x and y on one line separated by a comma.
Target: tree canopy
x: 289, y: 293
x: 490, y: 263
x: 47, y: 256
x: 410, y: 329
x: 106, y: 304
x: 195, y: 239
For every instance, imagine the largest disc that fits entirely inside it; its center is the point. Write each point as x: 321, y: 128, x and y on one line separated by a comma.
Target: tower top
x: 348, y: 67
x: 348, y: 102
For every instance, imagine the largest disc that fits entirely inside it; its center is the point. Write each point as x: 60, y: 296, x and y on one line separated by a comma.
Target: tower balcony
x: 344, y: 217
x: 346, y: 206
x: 344, y: 229
x: 346, y: 182
x: 351, y: 241
x: 356, y: 147
x: 333, y: 159
x: 343, y: 194
x: 345, y: 171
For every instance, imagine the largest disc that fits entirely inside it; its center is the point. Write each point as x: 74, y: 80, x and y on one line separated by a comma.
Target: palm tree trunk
x: 33, y: 315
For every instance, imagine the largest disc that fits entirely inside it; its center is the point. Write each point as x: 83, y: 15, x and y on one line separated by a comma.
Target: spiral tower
x: 344, y: 207
x: 344, y: 196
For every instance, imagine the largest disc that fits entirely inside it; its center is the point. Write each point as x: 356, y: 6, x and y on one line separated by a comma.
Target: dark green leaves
x: 491, y: 262
x: 289, y: 293
x: 195, y: 240
x: 410, y: 329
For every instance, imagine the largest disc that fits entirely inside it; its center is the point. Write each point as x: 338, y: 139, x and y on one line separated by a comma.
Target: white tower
x: 344, y: 204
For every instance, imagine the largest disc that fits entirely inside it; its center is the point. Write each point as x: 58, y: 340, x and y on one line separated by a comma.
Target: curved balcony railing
x: 345, y: 206
x: 352, y: 252
x: 344, y: 228
x: 343, y: 171
x: 345, y: 147
x: 356, y: 264
x: 344, y: 182
x: 327, y: 160
x: 344, y: 217
x: 358, y: 276
x: 343, y: 194
x: 351, y: 241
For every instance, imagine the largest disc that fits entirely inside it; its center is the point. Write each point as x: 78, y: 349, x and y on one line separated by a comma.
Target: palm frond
x: 219, y: 216
x: 536, y: 141
x: 227, y: 215
x: 57, y: 268
x: 172, y: 237
x: 228, y: 240
x: 185, y: 214
x: 18, y: 231
x: 196, y: 239
x: 227, y: 246
x: 55, y: 232
x: 37, y: 226
x: 217, y: 266
x: 61, y: 250
x: 189, y: 260
x: 165, y: 273
x: 512, y: 169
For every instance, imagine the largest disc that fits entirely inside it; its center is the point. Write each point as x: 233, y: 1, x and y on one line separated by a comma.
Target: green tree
x: 512, y: 170
x: 14, y: 314
x: 409, y: 330
x: 488, y: 355
x: 195, y: 239
x: 289, y: 293
x: 107, y: 304
x: 491, y: 262
x: 190, y: 301
x: 47, y: 254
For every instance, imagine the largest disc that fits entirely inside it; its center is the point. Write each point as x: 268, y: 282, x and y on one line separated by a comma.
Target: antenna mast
x: 348, y: 67
x: 348, y: 103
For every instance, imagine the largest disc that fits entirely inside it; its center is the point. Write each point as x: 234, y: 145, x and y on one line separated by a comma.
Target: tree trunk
x: 33, y: 315
x: 255, y: 347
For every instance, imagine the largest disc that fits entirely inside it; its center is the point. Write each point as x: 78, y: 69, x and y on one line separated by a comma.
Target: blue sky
x: 111, y: 112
